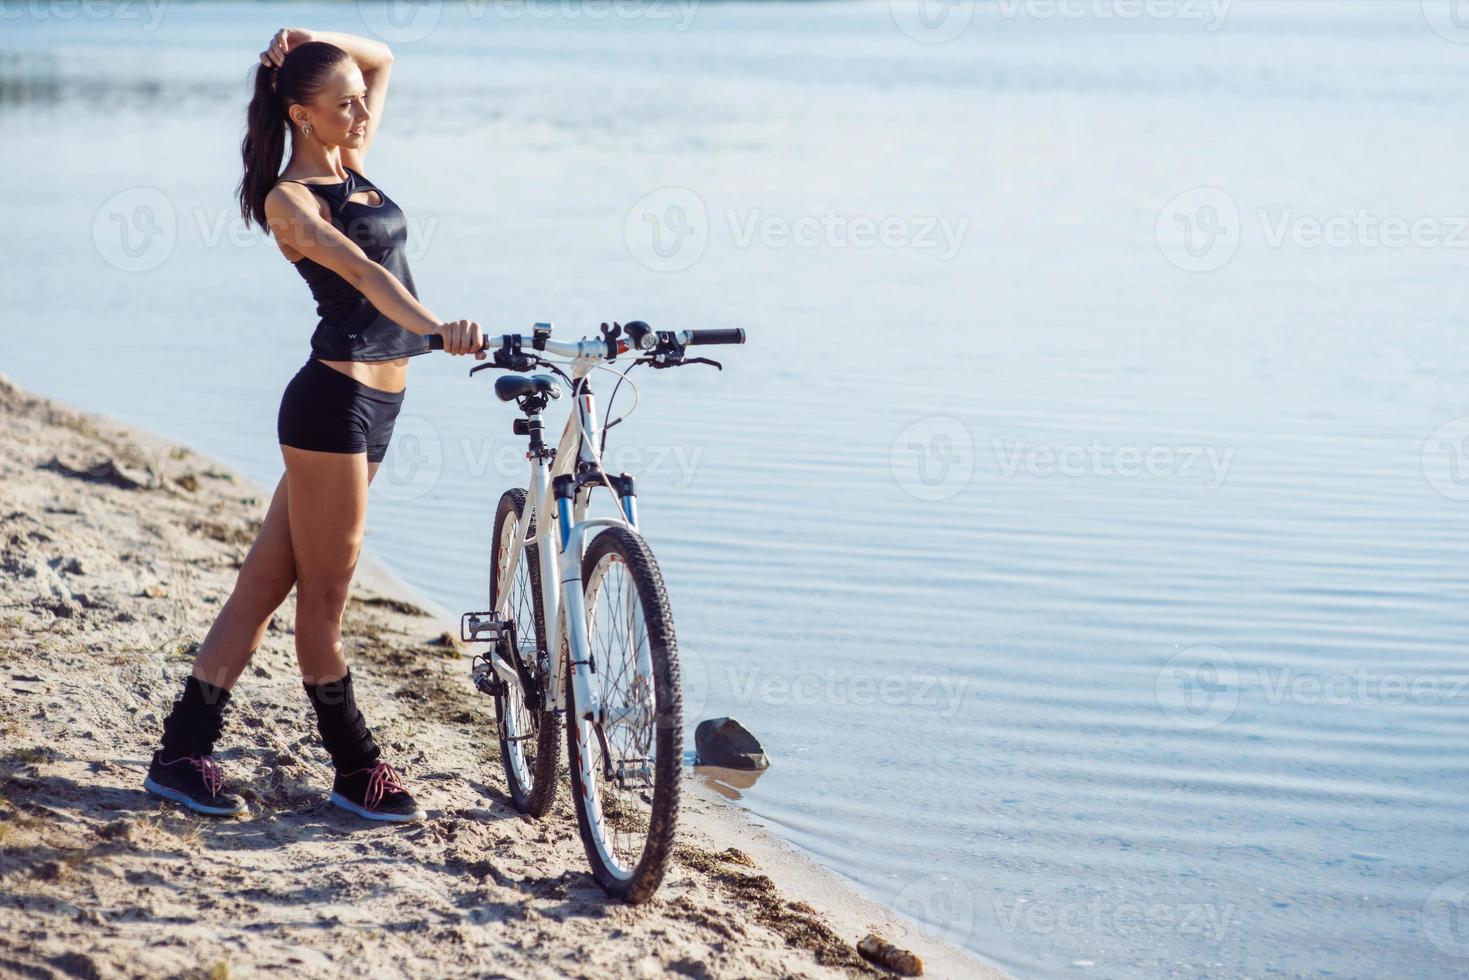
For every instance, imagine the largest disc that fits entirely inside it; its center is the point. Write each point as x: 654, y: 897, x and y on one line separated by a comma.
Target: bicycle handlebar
x: 599, y: 347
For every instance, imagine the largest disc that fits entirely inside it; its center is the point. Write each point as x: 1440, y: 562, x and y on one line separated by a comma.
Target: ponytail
x: 296, y: 82
x: 264, y: 146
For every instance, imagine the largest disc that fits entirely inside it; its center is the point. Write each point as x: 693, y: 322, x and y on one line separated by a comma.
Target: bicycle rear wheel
x: 625, y: 776
x: 529, y: 745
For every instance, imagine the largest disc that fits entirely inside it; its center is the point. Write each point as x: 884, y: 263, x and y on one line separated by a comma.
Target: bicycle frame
x: 561, y: 531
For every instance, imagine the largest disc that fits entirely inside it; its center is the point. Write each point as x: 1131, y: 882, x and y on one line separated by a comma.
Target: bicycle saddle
x: 511, y: 386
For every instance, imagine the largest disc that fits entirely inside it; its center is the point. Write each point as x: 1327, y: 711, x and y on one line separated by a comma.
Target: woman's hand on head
x: 463, y: 337
x: 285, y: 39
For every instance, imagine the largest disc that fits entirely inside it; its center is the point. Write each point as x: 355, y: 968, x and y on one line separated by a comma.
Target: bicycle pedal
x: 482, y: 627
x: 486, y: 681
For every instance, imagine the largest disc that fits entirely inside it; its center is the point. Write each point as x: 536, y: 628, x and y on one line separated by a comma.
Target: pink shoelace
x: 382, y: 779
x: 208, y: 771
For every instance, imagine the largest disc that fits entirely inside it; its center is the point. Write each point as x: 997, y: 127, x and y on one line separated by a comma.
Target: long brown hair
x: 297, y: 81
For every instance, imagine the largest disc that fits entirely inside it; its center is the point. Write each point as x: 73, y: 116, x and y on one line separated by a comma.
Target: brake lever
x: 676, y: 360
x: 509, y: 360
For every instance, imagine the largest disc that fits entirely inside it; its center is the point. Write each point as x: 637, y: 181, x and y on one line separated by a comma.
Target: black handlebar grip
x: 732, y: 336
x: 436, y: 341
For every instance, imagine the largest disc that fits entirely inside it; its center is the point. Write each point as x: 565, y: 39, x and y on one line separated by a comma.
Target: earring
x: 306, y: 129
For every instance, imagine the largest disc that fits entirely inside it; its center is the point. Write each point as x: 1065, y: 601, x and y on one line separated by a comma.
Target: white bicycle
x: 615, y: 679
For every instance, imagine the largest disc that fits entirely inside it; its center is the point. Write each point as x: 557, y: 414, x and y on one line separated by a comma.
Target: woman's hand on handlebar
x: 463, y: 337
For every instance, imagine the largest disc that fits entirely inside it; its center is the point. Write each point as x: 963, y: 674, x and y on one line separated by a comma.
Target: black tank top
x: 351, y: 328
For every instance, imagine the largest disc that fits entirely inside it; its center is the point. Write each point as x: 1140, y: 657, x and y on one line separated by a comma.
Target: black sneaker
x: 376, y: 793
x: 195, y: 781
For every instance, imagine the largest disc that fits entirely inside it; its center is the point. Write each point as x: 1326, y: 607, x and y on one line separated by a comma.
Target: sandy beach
x: 116, y: 549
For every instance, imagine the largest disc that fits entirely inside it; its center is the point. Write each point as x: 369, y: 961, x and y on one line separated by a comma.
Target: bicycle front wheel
x: 625, y: 771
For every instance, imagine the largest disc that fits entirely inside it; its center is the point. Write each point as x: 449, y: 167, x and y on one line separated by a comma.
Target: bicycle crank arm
x: 505, y: 674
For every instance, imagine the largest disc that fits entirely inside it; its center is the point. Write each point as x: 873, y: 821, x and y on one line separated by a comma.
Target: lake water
x: 1083, y: 527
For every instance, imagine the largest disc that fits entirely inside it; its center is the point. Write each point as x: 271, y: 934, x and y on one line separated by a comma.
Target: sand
x: 117, y: 549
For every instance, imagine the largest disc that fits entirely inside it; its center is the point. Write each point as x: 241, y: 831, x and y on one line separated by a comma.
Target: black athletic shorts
x: 331, y: 412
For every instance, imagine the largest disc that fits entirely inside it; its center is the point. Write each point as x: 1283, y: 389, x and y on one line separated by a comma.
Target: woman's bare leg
x: 265, y: 580
x: 327, y: 504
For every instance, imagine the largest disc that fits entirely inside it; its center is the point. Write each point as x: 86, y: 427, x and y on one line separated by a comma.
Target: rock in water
x: 725, y: 742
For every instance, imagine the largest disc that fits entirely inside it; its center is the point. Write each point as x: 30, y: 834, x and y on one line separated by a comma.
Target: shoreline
x: 85, y: 853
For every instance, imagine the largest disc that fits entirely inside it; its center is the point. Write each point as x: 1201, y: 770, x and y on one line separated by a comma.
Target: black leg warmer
x: 343, y: 730
x: 196, y: 721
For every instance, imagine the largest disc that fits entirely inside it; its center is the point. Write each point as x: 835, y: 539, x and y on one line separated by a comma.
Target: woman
x: 347, y: 240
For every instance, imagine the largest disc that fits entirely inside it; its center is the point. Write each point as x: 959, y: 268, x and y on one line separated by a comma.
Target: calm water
x: 1088, y: 553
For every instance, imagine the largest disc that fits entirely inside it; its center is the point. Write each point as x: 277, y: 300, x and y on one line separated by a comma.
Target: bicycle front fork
x: 573, y: 531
